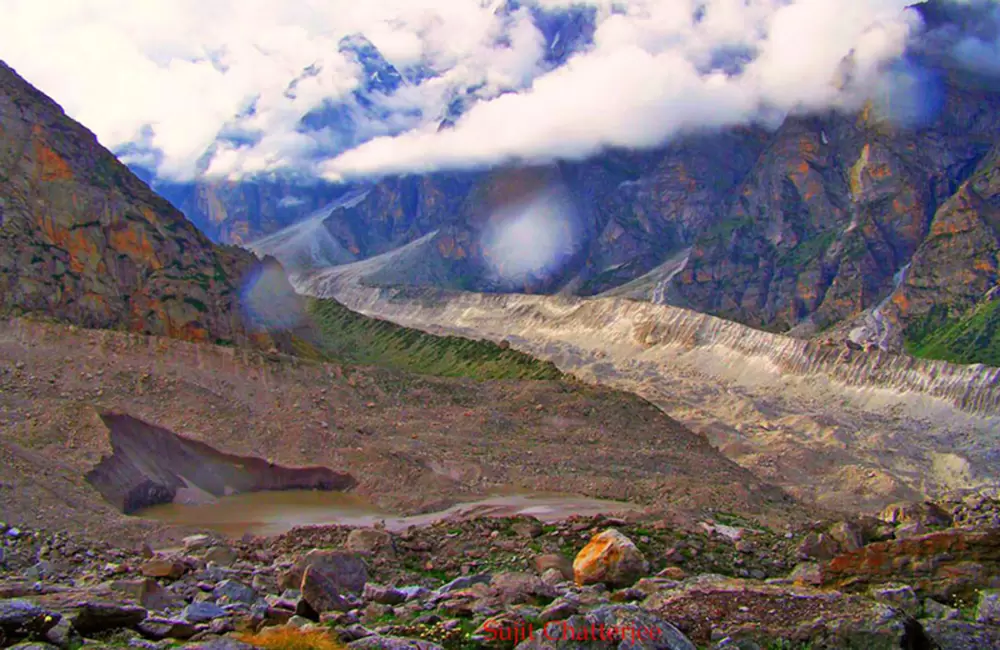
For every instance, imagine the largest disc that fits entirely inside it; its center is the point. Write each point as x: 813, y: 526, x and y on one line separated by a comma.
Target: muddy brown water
x: 273, y: 513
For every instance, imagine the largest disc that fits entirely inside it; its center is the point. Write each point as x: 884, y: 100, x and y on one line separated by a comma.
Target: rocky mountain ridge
x: 83, y: 240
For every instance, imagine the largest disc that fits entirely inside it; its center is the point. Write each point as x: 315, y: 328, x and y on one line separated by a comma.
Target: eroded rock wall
x: 151, y: 465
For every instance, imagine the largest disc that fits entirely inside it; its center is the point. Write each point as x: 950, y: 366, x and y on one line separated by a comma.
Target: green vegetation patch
x: 354, y: 338
x: 971, y: 338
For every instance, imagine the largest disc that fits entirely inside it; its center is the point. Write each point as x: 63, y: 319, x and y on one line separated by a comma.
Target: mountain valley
x: 737, y: 390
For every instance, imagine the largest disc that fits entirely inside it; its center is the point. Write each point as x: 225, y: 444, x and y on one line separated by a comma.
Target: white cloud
x: 170, y: 76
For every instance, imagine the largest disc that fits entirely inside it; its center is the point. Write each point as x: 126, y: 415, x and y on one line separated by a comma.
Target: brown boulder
x: 320, y: 590
x: 847, y: 535
x: 610, y: 558
x: 147, y: 592
x: 519, y: 588
x: 368, y: 540
x: 163, y: 568
x: 347, y: 569
x: 817, y: 546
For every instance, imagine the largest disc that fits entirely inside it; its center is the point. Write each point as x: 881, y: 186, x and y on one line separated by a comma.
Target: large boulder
x: 95, y: 617
x: 347, y: 569
x: 321, y: 590
x: 516, y: 588
x: 369, y: 540
x: 159, y: 567
x: 610, y: 558
x: 166, y: 628
x: 20, y: 619
x: 988, y: 609
x: 962, y: 635
x: 147, y: 592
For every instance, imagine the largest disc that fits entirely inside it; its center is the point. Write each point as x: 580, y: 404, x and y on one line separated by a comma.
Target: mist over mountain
x: 783, y: 164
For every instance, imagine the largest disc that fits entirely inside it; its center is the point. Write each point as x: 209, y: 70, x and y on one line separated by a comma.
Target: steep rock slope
x: 82, y: 239
x: 833, y: 210
x: 946, y: 302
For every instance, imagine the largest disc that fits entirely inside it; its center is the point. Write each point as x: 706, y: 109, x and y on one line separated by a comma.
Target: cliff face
x: 805, y: 229
x: 832, y: 211
x: 84, y: 240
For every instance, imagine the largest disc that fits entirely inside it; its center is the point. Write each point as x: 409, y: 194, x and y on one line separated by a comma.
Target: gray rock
x: 63, y: 635
x: 464, y: 582
x: 377, y: 642
x: 353, y: 632
x: 202, y: 612
x: 516, y: 588
x: 414, y: 592
x: 559, y: 609
x: 321, y: 590
x: 94, y: 617
x: 988, y: 610
x: 383, y: 594
x: 166, y: 628
x: 20, y: 618
x: 221, y: 555
x: 34, y: 645
x: 961, y: 635
x: 900, y: 596
x: 847, y: 535
x: 347, y: 570
x: 602, y: 629
x: 934, y: 609
x: 235, y: 591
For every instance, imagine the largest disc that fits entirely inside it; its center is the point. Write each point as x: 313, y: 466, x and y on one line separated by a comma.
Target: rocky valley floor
x: 927, y: 581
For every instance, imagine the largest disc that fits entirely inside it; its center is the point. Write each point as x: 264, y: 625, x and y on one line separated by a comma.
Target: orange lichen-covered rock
x: 610, y: 558
x: 85, y: 241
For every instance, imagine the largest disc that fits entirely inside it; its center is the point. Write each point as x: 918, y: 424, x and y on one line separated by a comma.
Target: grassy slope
x: 972, y: 338
x: 351, y: 337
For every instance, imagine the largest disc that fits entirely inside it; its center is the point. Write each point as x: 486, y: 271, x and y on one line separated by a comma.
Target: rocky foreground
x: 920, y: 576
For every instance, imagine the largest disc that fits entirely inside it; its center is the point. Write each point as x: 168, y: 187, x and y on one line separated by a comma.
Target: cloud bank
x: 224, y: 87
